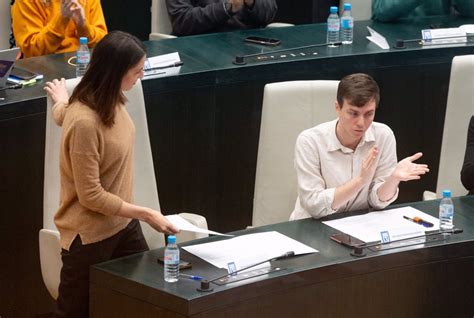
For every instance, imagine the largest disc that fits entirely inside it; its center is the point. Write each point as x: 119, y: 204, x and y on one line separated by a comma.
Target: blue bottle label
x: 347, y: 23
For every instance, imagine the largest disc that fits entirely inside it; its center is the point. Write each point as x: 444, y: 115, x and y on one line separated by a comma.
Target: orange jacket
x: 40, y: 29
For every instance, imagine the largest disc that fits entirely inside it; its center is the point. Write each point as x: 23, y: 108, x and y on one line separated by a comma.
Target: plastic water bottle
x: 171, y: 260
x: 347, y: 25
x: 446, y: 211
x: 83, y: 57
x: 333, y: 26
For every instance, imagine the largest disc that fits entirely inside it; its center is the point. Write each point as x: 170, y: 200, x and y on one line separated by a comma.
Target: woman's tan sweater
x: 96, y: 164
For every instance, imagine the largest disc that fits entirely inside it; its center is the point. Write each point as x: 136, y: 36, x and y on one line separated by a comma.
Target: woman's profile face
x: 133, y: 75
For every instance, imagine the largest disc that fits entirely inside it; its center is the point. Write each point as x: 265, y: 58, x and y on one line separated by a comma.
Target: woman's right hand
x: 160, y: 223
x: 56, y: 89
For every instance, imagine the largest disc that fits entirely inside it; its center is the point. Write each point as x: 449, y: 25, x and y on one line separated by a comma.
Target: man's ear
x: 338, y: 107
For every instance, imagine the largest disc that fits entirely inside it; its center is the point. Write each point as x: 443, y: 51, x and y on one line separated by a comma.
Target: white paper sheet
x: 467, y: 28
x: 377, y: 39
x: 184, y: 225
x: 248, y: 249
x: 161, y: 61
x: 368, y: 227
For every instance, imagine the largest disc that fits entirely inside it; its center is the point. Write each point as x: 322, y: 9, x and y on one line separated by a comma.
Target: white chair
x: 459, y: 109
x: 288, y: 109
x: 361, y: 9
x: 160, y: 22
x: 145, y: 189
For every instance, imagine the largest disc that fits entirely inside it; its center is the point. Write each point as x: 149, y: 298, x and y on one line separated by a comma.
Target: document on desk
x: 443, y: 36
x: 246, y: 250
x: 389, y: 225
x: 377, y: 39
x: 184, y: 225
x: 161, y: 66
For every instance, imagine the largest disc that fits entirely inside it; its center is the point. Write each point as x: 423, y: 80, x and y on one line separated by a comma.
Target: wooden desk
x: 431, y: 280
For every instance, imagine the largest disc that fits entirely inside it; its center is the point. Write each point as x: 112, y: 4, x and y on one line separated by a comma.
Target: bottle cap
x: 333, y: 9
x: 347, y: 6
x: 171, y: 239
x: 446, y: 193
x: 82, y: 40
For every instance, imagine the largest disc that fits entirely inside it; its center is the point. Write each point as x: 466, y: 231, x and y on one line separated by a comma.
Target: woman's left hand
x: 56, y: 89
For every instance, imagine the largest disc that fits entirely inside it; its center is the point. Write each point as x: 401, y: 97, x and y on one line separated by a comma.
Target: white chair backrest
x: 459, y: 109
x: 52, y: 184
x: 145, y: 189
x: 160, y: 21
x: 288, y: 109
x: 361, y: 9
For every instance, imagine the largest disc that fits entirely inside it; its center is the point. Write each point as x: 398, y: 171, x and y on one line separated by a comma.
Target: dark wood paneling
x: 304, y: 11
x: 131, y: 16
x: 21, y: 182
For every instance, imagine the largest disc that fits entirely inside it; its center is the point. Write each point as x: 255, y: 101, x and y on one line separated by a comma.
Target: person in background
x: 97, y: 220
x: 467, y: 171
x: 205, y: 16
x: 350, y: 163
x: 393, y: 10
x: 43, y: 27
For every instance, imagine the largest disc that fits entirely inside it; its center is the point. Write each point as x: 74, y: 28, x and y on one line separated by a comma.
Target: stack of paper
x: 162, y: 65
x: 378, y: 226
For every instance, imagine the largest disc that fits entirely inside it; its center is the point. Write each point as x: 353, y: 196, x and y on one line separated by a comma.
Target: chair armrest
x: 279, y: 25
x: 195, y: 219
x: 50, y: 259
x: 429, y: 195
x: 160, y: 36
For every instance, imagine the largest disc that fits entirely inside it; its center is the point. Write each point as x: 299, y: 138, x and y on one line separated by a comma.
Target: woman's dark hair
x: 100, y: 88
x: 358, y: 89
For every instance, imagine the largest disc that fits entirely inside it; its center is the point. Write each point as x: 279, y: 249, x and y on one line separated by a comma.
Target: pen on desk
x: 193, y: 277
x: 419, y: 220
x: 153, y: 74
x: 175, y: 64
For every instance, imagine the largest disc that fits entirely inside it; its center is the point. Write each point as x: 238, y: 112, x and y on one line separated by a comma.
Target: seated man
x: 350, y: 163
x: 467, y: 172
x: 45, y: 27
x: 205, y: 16
x: 392, y: 10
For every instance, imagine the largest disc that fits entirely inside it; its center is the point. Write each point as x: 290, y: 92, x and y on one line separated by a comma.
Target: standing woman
x: 96, y: 219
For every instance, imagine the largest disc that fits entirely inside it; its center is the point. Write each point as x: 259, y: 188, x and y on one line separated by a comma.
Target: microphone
x: 358, y: 250
x: 240, y: 59
x: 206, y: 284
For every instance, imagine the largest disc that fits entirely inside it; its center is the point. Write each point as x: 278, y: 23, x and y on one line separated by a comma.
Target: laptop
x: 7, y: 60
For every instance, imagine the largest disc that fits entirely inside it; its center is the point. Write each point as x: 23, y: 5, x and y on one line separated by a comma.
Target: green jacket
x: 392, y: 10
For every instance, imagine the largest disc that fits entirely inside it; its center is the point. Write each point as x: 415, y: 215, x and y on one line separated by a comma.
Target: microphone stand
x: 14, y: 86
x: 358, y: 250
x: 400, y: 43
x: 175, y: 64
x: 205, y: 284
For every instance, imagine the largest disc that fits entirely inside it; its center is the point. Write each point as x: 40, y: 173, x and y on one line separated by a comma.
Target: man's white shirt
x: 322, y: 164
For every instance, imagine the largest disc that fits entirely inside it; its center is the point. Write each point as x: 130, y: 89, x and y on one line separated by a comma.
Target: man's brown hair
x: 358, y: 89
